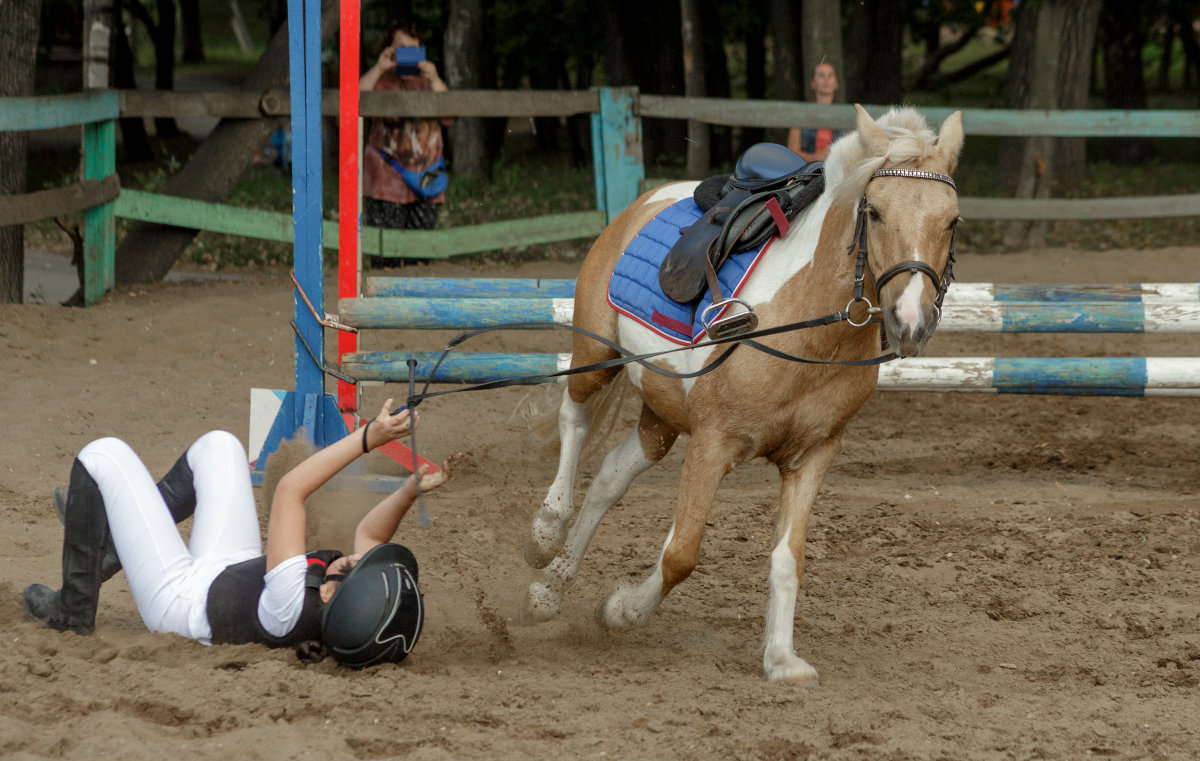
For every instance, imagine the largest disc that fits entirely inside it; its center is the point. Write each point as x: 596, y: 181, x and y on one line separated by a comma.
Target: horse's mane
x: 850, y: 163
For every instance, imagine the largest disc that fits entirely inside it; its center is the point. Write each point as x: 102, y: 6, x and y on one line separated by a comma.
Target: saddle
x: 769, y: 186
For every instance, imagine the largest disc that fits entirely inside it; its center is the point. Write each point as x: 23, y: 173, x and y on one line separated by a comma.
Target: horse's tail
x: 606, y: 410
x: 537, y: 412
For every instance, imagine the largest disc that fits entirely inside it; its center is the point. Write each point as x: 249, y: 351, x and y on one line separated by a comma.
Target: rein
x: 857, y: 246
x: 643, y: 359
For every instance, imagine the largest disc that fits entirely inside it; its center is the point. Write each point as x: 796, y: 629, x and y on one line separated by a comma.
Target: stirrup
x: 730, y: 325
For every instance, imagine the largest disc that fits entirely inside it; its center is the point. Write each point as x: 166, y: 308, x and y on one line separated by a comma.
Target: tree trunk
x: 1122, y: 37
x: 193, y: 36
x: 162, y: 34
x: 149, y: 250
x: 1050, y: 69
x: 876, y: 36
x: 1164, y: 61
x: 133, y: 129
x: 464, y: 44
x: 692, y: 37
x: 785, y: 37
x: 1076, y: 56
x: 821, y: 25
x: 716, y: 81
x: 1033, y: 73
x: 18, y: 54
x: 756, y: 73
x: 1186, y: 26
x: 788, y: 78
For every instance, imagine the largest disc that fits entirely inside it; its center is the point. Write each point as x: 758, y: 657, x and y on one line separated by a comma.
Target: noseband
x: 859, y: 245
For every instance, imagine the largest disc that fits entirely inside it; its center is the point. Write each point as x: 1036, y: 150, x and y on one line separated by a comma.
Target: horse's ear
x: 874, y: 139
x: 950, y: 140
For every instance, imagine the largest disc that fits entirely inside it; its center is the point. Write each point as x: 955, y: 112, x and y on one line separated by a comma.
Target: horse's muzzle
x: 907, y: 334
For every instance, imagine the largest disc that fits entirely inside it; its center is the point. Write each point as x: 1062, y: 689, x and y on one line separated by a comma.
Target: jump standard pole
x: 307, y: 407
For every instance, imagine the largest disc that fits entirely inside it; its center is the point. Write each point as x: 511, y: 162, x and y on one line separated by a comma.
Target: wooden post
x: 617, y: 151
x: 99, y: 233
x: 98, y: 156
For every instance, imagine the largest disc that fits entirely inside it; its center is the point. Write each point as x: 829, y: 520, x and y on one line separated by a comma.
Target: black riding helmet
x: 376, y: 613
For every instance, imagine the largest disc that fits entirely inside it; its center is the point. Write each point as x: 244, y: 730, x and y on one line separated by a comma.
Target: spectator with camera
x: 404, y: 172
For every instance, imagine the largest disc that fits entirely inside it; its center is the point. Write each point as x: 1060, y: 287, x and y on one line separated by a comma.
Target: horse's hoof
x: 792, y: 669
x: 536, y: 556
x: 540, y: 605
x: 613, y: 613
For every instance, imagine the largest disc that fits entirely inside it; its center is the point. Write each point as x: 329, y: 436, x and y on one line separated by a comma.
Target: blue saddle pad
x: 634, y: 291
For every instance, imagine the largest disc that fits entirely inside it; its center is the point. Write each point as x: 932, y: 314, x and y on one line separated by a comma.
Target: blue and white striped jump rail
x: 963, y: 311
x: 1096, y: 376
x: 974, y: 293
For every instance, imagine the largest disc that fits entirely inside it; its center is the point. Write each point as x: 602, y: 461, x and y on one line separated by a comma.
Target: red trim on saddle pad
x: 669, y: 322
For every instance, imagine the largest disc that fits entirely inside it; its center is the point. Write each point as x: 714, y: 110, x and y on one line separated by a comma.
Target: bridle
x: 858, y: 245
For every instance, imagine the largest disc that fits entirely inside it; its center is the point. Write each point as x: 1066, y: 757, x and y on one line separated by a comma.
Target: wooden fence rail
x: 98, y: 186
x: 615, y: 114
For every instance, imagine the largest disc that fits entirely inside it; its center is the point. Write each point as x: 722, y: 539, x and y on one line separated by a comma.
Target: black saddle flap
x: 739, y: 221
x: 683, y: 274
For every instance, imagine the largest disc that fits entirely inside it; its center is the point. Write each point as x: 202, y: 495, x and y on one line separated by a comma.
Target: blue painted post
x: 311, y: 408
x: 617, y: 151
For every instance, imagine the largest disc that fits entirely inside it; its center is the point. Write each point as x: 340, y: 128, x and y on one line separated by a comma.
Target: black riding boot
x: 177, y: 491
x: 85, y: 533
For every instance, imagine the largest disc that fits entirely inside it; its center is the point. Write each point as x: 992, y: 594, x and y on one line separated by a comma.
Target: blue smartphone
x: 407, y: 60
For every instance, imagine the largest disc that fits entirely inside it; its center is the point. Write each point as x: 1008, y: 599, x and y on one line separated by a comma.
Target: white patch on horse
x: 780, y: 662
x: 788, y: 255
x: 549, y: 523
x: 639, y: 339
x: 908, y: 306
x: 633, y: 605
x: 676, y: 191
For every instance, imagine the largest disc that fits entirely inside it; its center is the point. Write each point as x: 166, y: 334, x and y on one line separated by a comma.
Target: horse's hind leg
x: 641, y: 450
x: 574, y: 419
x: 707, y: 462
x: 799, y: 490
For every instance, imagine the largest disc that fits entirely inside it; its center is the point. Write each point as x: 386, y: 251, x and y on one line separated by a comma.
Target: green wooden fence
x: 93, y: 194
x: 617, y: 157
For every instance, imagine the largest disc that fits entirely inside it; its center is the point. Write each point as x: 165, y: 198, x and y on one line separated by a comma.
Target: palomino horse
x: 894, y: 175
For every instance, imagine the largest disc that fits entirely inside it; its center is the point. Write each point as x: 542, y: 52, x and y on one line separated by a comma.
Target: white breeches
x: 169, y: 579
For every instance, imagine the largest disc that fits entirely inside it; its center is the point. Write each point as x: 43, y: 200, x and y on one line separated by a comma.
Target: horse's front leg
x: 644, y: 447
x: 800, y: 484
x: 706, y: 463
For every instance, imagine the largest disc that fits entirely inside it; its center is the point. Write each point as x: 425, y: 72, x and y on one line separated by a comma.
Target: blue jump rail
x: 510, y: 287
x: 1093, y: 376
x: 999, y: 316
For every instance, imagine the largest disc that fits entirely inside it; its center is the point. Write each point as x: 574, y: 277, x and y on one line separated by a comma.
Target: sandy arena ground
x: 990, y: 577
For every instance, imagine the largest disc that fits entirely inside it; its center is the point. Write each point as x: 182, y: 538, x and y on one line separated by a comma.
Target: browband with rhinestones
x: 917, y: 173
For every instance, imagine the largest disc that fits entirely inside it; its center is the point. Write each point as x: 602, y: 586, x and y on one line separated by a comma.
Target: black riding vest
x: 233, y: 603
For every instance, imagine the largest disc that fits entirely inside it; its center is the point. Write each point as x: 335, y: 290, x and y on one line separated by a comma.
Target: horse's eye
x: 872, y: 214
x: 954, y: 223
